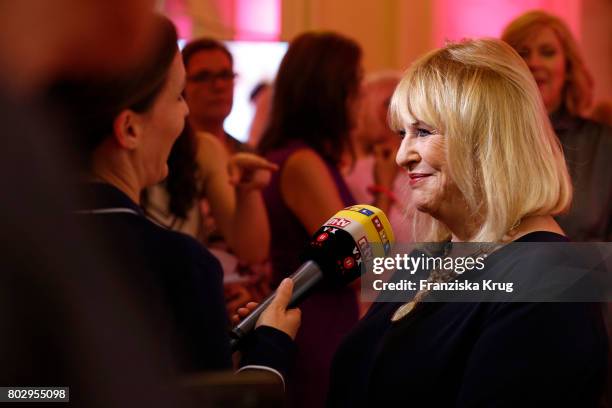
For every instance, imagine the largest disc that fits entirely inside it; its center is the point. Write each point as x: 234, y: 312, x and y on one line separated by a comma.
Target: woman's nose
x: 533, y: 61
x: 407, y: 156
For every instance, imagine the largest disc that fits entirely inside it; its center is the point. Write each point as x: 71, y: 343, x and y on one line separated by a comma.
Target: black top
x: 474, y: 354
x: 587, y: 147
x: 182, y: 281
x: 64, y: 319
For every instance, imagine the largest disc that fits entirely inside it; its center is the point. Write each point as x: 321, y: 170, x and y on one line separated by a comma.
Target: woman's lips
x: 417, y: 177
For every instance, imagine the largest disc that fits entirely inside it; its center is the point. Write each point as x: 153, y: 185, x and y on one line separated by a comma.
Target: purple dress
x: 328, y: 314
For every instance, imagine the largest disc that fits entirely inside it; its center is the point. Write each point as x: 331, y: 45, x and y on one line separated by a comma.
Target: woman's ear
x: 127, y: 129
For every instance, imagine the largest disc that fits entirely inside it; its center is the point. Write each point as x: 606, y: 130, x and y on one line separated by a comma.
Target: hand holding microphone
x: 339, y: 252
x: 277, y: 314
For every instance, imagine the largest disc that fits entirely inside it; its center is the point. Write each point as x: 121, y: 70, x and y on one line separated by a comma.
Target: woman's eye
x: 401, y: 133
x: 549, y: 52
x: 420, y: 132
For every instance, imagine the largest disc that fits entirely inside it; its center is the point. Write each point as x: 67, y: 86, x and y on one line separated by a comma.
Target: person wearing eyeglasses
x: 210, y: 88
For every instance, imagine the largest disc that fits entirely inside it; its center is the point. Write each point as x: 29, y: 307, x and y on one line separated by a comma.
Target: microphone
x: 338, y: 253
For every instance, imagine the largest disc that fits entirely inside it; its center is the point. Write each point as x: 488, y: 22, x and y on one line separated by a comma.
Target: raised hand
x: 250, y: 171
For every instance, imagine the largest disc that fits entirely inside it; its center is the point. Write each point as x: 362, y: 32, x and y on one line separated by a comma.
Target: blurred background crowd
x: 243, y: 125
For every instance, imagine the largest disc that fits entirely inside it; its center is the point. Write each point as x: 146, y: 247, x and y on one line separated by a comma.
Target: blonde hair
x: 578, y: 89
x: 501, y: 150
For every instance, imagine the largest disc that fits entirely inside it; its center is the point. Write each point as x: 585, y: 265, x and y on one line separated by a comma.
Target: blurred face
x: 355, y: 104
x: 544, y: 55
x: 423, y: 154
x: 110, y: 35
x: 162, y: 124
x: 68, y: 37
x: 380, y: 98
x: 210, y: 86
x: 354, y: 107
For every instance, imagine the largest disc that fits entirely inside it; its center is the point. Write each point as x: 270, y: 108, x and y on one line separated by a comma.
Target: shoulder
x: 598, y: 128
x: 558, y: 322
x: 598, y: 132
x: 211, y: 156
x: 535, y: 252
x: 208, y: 145
x: 549, y: 271
x: 305, y: 169
x: 304, y: 161
x: 183, y: 250
x: 547, y: 331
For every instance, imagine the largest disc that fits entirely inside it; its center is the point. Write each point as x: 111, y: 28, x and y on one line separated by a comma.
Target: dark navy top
x: 474, y: 354
x: 182, y: 281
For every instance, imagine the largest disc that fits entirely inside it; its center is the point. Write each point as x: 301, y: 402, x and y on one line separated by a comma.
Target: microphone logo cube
x: 360, y: 210
x: 338, y: 222
x: 349, y: 262
x: 377, y: 224
x: 364, y: 246
x: 322, y: 237
x: 365, y: 211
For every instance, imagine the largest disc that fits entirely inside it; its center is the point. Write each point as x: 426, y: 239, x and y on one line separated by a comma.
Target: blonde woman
x: 484, y: 166
x: 566, y: 86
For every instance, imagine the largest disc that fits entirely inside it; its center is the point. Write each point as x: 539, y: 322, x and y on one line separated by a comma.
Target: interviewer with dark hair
x: 127, y: 125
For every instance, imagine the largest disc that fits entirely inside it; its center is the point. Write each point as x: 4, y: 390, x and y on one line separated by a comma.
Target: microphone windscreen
x: 346, y: 244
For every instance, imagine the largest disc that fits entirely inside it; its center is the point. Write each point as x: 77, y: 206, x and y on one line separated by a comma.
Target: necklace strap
x: 439, y: 276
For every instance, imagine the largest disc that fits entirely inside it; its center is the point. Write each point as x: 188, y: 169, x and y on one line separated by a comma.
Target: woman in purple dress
x: 313, y: 109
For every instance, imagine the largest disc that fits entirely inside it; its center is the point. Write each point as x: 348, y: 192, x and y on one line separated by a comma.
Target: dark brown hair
x: 316, y: 78
x: 181, y: 182
x: 93, y: 103
x: 204, y: 44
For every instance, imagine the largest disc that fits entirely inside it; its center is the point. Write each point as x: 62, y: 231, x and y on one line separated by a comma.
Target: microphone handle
x: 304, y: 279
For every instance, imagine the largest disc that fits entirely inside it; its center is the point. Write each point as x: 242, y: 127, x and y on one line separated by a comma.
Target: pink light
x: 184, y: 26
x: 177, y: 11
x: 458, y: 19
x: 257, y: 20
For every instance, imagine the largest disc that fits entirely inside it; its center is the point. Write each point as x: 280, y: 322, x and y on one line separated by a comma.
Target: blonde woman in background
x: 566, y: 86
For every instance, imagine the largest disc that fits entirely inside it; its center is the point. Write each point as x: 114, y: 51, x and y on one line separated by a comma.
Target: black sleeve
x: 515, y: 361
x: 269, y: 347
x: 202, y: 319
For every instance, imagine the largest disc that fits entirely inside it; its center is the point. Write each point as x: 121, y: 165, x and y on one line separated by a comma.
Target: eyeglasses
x: 207, y: 77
